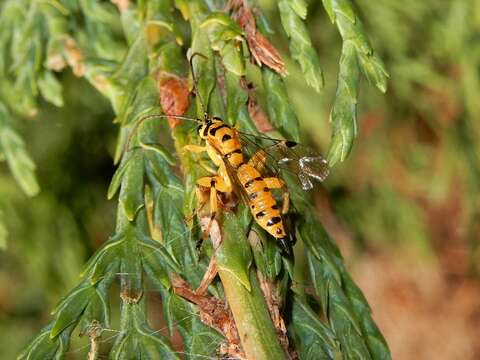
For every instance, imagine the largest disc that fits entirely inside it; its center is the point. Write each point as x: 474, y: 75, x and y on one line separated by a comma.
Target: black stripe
x: 214, y: 130
x: 238, y: 165
x: 274, y: 220
x: 205, y: 129
x: 290, y: 144
x: 226, y: 137
x: 237, y: 151
x: 249, y: 182
x: 266, y: 189
x: 260, y: 214
x: 275, y: 207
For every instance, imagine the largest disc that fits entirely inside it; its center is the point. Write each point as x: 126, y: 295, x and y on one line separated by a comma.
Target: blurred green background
x: 404, y: 206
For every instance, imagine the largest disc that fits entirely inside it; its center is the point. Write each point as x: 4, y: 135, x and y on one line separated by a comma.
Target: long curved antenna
x: 155, y: 116
x: 197, y: 93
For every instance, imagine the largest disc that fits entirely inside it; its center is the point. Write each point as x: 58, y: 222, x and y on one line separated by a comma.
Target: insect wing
x: 307, y: 164
x: 256, y: 149
x: 238, y: 189
x: 273, y: 156
x: 305, y: 182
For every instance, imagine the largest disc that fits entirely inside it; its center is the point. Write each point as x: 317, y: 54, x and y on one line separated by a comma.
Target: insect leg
x: 276, y: 183
x: 196, y: 149
x: 214, y: 184
x: 209, y: 169
x: 202, y: 201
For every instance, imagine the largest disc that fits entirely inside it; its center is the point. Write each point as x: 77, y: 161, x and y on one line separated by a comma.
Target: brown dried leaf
x: 259, y: 117
x: 263, y: 52
x: 55, y: 62
x: 214, y: 313
x: 94, y: 333
x: 74, y: 56
x: 215, y: 233
x: 214, y: 230
x: 208, y: 277
x: 122, y: 5
x: 273, y: 303
x: 174, y: 96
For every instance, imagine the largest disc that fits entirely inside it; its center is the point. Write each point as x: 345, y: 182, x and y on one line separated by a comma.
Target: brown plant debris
x: 122, y: 5
x: 213, y: 228
x: 273, y: 303
x: 94, y: 333
x: 263, y: 52
x: 74, y: 56
x: 129, y: 294
x: 174, y: 95
x: 208, y: 277
x: 214, y: 313
x: 259, y: 117
x: 56, y: 61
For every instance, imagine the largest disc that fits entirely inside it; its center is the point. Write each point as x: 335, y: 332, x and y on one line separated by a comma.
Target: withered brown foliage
x: 274, y: 304
x: 208, y: 277
x: 263, y: 52
x: 74, y: 56
x: 122, y: 5
x: 259, y: 117
x: 214, y: 313
x: 174, y: 95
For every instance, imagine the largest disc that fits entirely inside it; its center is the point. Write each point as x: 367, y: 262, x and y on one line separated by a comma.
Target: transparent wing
x: 238, y: 189
x: 274, y: 156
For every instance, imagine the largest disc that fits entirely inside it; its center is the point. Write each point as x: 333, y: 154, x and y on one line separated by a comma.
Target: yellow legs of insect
x: 213, y: 184
x: 196, y: 149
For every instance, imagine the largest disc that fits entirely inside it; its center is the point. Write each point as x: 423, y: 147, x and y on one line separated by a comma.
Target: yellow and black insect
x: 224, y: 147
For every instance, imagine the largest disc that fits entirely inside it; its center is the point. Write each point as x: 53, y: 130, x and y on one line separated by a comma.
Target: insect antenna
x: 161, y: 116
x: 155, y: 116
x: 195, y: 83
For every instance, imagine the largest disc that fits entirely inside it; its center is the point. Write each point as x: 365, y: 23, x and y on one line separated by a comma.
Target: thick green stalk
x: 257, y: 333
x: 255, y: 328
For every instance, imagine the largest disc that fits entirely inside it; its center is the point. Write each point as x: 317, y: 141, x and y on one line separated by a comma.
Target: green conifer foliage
x: 135, y: 54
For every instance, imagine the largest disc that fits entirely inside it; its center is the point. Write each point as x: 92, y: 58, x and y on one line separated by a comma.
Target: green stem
x: 257, y: 333
x: 242, y: 290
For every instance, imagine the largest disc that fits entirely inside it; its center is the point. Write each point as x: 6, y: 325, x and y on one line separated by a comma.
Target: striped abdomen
x: 226, y: 140
x: 262, y: 204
